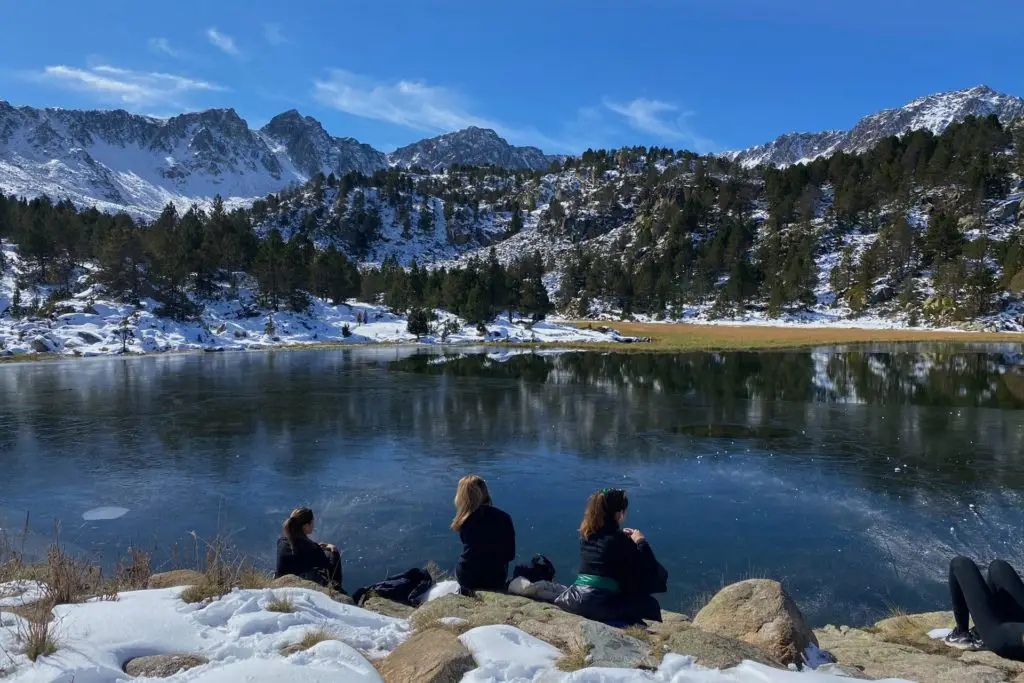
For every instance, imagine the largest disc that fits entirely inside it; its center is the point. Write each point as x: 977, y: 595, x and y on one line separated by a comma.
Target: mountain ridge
x: 934, y: 112
x: 119, y: 161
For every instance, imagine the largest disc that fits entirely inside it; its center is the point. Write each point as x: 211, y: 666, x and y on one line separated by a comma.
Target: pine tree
x: 515, y: 224
x: 426, y: 219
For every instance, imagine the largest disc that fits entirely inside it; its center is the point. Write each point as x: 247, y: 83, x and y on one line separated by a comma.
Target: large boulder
x: 162, y: 666
x: 716, y: 652
x: 759, y: 612
x: 431, y: 656
x: 175, y: 578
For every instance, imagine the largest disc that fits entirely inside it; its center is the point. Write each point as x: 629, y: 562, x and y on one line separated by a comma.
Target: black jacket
x: 612, y: 554
x: 306, y: 559
x: 488, y: 546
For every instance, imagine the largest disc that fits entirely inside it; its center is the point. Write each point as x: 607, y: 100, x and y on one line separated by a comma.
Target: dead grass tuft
x: 575, y: 657
x: 223, y: 569
x: 69, y: 580
x: 436, y: 573
x: 37, y: 639
x: 281, y: 604
x: 313, y: 637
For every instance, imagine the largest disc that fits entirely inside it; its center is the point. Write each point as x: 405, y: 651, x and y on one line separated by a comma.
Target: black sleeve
x: 641, y: 572
x: 509, y: 546
x: 310, y: 556
x: 284, y: 551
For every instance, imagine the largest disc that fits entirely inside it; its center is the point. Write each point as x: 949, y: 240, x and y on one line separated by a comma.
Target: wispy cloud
x: 125, y: 87
x: 163, y: 46
x: 222, y: 41
x: 414, y: 104
x: 661, y: 119
x: 273, y: 33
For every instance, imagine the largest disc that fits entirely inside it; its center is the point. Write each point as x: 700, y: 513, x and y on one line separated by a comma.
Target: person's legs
x: 1006, y: 640
x: 972, y: 598
x: 334, y: 571
x: 1007, y: 591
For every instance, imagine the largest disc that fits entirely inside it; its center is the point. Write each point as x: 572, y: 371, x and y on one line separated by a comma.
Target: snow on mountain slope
x: 473, y: 147
x: 117, y: 161
x: 933, y: 113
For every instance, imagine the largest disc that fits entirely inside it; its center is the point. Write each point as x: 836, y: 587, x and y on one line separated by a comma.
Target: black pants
x: 331, y: 578
x: 996, y: 605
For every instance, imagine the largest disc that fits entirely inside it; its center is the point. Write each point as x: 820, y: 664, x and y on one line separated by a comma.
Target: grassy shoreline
x: 681, y: 337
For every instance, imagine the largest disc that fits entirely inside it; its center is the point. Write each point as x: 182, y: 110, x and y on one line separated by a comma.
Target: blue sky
x: 560, y: 74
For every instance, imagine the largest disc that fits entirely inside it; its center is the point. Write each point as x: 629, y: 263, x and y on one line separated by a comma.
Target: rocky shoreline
x: 753, y: 620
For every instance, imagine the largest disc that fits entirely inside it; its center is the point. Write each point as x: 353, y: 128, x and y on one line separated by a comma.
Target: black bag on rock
x: 407, y: 588
x: 539, y: 569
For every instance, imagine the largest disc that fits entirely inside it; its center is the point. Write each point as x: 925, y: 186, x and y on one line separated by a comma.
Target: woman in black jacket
x: 618, y: 570
x: 299, y: 555
x: 488, y: 537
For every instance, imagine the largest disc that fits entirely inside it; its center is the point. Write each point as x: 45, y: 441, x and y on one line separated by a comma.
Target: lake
x: 851, y: 474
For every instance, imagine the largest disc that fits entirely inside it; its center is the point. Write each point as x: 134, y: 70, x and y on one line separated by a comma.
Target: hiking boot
x: 962, y: 640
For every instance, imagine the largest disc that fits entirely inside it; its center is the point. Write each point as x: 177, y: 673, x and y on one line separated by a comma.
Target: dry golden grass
x: 687, y: 337
x: 281, y: 604
x: 313, y: 637
x: 575, y: 657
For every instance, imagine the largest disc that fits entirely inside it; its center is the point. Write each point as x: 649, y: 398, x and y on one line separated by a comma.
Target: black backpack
x: 539, y: 569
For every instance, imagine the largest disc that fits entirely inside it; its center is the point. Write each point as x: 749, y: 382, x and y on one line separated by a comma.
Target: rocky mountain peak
x: 934, y: 113
x: 470, y: 146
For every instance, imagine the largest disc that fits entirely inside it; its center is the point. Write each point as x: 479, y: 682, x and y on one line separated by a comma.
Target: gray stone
x: 89, y: 337
x: 843, y: 671
x: 162, y: 666
x: 388, y: 608
x: 612, y: 648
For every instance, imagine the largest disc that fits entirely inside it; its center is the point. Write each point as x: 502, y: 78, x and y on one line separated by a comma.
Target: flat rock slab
x: 175, y: 578
x: 388, y: 608
x: 717, y: 652
x: 881, y: 659
x: 613, y: 648
x: 162, y: 666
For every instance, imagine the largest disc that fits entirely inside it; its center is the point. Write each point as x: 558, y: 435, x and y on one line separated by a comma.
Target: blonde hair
x: 470, y: 494
x: 299, y: 518
x: 602, y: 506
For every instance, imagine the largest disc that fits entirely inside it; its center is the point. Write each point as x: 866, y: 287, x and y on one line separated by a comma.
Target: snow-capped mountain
x: 306, y: 145
x: 473, y: 147
x: 117, y: 161
x: 933, y: 113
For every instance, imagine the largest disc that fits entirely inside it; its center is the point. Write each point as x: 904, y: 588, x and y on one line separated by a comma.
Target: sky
x: 563, y: 75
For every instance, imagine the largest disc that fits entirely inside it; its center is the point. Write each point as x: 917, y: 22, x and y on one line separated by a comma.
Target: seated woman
x: 488, y: 537
x: 299, y: 555
x: 996, y: 605
x: 618, y: 571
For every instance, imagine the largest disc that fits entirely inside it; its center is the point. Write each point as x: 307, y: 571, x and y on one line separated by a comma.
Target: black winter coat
x: 488, y: 546
x: 306, y: 559
x: 611, y: 554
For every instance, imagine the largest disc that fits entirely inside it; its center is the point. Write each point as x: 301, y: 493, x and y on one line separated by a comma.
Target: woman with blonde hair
x: 488, y: 537
x: 301, y: 556
x: 618, y: 570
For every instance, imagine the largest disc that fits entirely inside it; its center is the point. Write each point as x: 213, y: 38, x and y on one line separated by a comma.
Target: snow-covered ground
x: 243, y: 641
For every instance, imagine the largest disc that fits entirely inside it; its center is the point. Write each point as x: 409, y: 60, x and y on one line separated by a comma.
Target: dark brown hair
x: 602, y: 506
x: 299, y: 518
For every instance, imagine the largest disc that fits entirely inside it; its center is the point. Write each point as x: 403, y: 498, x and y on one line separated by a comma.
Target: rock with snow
x: 162, y: 666
x: 303, y: 142
x: 175, y: 578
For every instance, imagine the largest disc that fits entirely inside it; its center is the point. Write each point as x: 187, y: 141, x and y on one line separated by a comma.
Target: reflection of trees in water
x: 866, y: 410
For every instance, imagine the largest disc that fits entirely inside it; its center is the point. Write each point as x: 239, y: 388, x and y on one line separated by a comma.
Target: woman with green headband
x: 618, y: 571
